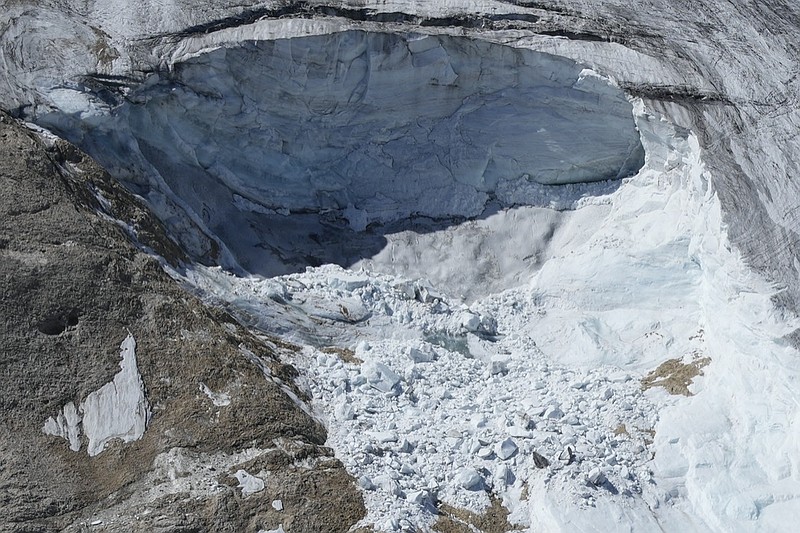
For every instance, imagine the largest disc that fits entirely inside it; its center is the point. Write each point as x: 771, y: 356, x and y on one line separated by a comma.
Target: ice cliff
x: 360, y: 126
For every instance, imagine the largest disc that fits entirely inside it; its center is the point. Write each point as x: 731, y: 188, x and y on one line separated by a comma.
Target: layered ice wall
x: 374, y: 127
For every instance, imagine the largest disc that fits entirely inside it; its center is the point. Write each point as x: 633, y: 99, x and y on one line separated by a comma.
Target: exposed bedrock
x: 74, y: 288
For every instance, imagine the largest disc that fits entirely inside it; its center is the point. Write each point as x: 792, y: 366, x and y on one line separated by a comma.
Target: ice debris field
x: 534, y: 394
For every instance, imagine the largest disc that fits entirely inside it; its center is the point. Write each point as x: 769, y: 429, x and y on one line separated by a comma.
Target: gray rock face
x: 74, y: 289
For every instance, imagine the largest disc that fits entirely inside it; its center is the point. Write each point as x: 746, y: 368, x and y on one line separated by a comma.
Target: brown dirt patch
x: 675, y: 376
x: 345, y: 354
x: 454, y: 520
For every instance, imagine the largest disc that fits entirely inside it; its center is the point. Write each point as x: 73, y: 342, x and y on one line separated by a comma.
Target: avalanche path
x: 538, y: 393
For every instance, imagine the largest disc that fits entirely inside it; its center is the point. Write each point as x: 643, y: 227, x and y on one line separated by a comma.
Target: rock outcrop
x: 73, y: 289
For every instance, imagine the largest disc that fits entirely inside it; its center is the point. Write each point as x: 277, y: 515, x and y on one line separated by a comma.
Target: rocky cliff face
x: 219, y: 406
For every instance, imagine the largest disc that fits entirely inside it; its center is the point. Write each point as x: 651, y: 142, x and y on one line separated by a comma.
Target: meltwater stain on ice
x: 117, y: 410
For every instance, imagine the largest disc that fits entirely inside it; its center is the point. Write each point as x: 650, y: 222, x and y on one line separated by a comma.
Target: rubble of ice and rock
x: 455, y: 401
x: 533, y: 392
x: 501, y: 355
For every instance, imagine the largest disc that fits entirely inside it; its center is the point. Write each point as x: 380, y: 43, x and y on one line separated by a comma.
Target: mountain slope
x: 73, y: 289
x: 579, y: 298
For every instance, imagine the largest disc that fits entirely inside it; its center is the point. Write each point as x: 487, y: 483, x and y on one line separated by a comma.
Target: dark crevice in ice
x: 308, y: 10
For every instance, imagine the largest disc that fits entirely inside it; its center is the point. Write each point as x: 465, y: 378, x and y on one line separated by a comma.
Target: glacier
x: 356, y: 127
x: 505, y: 292
x: 553, y: 361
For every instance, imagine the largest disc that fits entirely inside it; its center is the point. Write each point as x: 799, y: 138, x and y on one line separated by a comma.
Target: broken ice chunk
x: 418, y: 496
x: 596, y: 477
x: 366, y: 483
x: 248, y: 483
x: 407, y: 469
x: 117, y: 410
x: 470, y: 322
x: 506, y: 449
x: 486, y: 452
x: 426, y: 294
x: 384, y: 436
x: 344, y: 411
x: 470, y: 479
x: 504, y: 476
x: 419, y: 355
x: 553, y: 412
x: 348, y: 281
x: 380, y: 376
x: 405, y: 446
x: 499, y: 367
x: 389, y: 485
x: 473, y: 323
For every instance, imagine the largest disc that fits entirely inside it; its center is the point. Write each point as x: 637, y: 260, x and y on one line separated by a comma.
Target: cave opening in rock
x: 308, y: 150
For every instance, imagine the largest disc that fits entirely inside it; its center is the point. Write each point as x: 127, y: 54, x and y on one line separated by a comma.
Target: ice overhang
x: 380, y: 125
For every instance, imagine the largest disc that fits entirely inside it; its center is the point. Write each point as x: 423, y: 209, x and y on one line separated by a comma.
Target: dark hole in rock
x: 58, y: 323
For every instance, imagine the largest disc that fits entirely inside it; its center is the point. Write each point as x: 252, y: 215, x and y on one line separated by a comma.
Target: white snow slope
x: 501, y: 356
